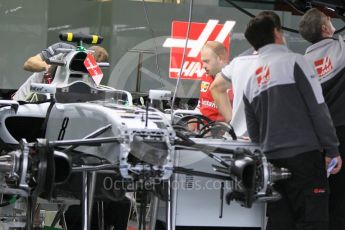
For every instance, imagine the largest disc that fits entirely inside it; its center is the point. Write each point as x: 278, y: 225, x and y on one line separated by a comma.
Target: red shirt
x: 207, y: 105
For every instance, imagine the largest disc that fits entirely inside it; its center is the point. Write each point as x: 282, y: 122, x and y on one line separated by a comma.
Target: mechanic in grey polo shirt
x: 327, y: 56
x: 287, y: 116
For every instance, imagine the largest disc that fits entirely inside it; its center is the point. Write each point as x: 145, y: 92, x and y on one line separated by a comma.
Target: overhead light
x: 161, y: 1
x: 331, y: 9
x: 337, y: 6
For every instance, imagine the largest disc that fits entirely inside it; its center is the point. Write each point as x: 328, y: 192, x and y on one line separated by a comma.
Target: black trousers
x: 337, y: 189
x: 304, y: 202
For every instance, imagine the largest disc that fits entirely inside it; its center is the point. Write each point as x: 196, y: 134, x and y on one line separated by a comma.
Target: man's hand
x: 53, y: 50
x: 35, y: 64
x: 337, y: 167
x: 192, y: 125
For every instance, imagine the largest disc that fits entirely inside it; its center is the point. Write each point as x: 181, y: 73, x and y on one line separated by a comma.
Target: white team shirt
x: 24, y: 90
x: 238, y: 72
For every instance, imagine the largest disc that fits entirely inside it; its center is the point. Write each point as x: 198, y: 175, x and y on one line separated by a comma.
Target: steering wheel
x: 217, y: 129
x: 194, y: 119
x: 205, y: 127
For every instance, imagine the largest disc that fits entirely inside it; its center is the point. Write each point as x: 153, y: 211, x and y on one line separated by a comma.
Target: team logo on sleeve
x: 323, y: 66
x: 262, y: 75
x: 204, y: 86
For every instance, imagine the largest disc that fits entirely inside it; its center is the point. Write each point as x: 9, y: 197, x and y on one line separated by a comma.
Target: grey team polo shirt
x: 328, y: 59
x: 284, y: 106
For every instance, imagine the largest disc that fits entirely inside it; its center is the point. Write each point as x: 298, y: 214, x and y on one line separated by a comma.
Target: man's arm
x: 219, y: 89
x: 35, y: 64
x: 38, y: 63
x: 310, y: 89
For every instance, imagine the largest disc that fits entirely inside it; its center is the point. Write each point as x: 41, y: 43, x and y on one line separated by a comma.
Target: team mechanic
x: 327, y: 55
x: 286, y: 114
x: 214, y: 57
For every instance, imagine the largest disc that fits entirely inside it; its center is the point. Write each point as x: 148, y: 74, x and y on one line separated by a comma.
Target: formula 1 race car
x: 85, y: 135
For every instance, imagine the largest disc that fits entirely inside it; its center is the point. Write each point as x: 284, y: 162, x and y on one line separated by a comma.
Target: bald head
x: 214, y: 57
x: 218, y: 48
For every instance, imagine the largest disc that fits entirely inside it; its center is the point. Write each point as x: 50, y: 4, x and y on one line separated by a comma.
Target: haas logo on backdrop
x: 199, y: 34
x: 323, y: 66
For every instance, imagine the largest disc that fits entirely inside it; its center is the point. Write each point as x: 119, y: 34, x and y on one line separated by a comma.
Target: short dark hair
x: 260, y: 29
x: 310, y: 25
